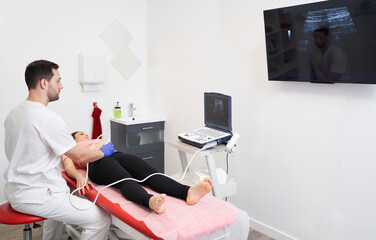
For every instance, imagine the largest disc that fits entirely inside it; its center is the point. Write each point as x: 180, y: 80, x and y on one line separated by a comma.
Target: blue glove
x: 107, y: 149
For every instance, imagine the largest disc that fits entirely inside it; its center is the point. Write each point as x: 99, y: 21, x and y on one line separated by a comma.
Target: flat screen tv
x: 322, y: 42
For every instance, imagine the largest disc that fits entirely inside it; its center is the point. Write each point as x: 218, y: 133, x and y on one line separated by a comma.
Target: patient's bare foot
x: 156, y: 203
x: 208, y: 180
x: 195, y: 193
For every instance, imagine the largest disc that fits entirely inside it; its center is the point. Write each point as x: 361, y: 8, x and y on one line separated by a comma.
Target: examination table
x: 210, y: 218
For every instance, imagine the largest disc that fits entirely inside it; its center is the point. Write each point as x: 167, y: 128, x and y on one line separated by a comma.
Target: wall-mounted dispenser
x: 91, y: 69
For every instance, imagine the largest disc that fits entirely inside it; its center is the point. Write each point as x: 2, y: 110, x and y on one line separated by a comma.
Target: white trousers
x: 57, y: 209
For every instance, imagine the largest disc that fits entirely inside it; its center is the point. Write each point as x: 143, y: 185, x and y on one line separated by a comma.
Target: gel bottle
x: 117, y: 111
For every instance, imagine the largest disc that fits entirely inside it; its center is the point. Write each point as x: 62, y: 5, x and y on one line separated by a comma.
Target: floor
x: 15, y: 232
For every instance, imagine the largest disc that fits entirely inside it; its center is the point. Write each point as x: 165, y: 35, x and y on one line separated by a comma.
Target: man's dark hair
x: 38, y: 70
x: 323, y: 29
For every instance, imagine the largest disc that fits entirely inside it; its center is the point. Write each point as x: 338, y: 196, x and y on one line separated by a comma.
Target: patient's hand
x: 80, y: 181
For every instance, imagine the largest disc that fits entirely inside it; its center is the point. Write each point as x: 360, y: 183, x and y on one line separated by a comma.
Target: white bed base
x: 238, y: 230
x: 121, y: 230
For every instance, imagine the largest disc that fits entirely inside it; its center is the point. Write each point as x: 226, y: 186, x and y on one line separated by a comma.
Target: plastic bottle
x: 117, y: 111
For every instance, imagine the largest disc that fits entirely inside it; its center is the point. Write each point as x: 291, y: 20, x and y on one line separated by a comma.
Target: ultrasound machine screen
x: 218, y: 111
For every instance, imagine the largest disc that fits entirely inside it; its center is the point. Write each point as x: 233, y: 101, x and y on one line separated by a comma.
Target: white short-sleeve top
x: 333, y: 60
x: 35, y: 139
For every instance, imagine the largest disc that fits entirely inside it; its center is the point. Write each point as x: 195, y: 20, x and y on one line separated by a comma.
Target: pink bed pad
x: 180, y: 221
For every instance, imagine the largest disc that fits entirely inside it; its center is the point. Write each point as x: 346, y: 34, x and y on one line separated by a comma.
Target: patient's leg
x: 195, y: 193
x: 139, y: 169
x: 108, y: 170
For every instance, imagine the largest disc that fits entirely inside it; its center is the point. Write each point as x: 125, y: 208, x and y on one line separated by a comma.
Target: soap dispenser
x: 117, y: 111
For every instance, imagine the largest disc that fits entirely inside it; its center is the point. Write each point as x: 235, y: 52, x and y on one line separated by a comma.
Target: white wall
x: 58, y: 31
x: 305, y: 164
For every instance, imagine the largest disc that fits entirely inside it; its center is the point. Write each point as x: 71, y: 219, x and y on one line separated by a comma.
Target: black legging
x: 121, y: 165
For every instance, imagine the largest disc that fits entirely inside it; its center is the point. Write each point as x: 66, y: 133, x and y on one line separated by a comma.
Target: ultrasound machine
x: 218, y: 125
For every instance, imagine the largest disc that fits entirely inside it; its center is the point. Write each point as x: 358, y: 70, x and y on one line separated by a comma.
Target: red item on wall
x: 97, y: 126
x: 285, y: 25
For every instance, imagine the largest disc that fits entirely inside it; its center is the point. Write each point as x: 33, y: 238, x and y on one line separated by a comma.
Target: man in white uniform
x: 328, y: 61
x: 35, y: 139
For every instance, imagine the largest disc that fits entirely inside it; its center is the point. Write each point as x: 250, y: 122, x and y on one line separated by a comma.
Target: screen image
x: 218, y: 110
x: 327, y: 42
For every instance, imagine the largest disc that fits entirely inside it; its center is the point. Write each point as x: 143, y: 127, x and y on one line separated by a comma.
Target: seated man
x: 121, y: 165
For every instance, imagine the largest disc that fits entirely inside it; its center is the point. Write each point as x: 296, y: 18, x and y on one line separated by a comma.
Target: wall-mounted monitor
x: 325, y: 42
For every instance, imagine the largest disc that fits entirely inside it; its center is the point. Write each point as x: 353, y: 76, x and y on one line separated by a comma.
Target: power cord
x: 207, y: 146
x: 227, y: 169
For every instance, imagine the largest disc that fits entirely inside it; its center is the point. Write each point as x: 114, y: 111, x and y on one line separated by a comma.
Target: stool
x: 11, y: 217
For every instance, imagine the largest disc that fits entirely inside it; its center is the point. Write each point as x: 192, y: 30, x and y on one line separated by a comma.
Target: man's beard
x: 53, y: 97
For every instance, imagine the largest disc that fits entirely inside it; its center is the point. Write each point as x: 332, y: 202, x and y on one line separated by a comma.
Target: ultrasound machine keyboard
x: 210, y: 132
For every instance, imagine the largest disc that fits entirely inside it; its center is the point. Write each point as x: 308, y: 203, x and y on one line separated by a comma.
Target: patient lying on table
x: 121, y: 165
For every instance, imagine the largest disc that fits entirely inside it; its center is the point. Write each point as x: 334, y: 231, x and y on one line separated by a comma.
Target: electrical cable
x: 227, y: 164
x: 209, y: 145
x: 227, y: 169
